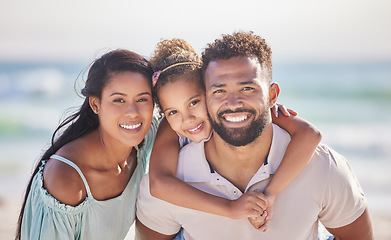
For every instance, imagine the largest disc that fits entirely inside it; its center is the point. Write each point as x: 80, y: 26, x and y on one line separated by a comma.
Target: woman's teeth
x: 131, y: 126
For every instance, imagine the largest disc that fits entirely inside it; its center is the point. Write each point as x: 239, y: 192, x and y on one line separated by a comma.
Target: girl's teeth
x: 235, y: 119
x: 131, y: 126
x: 194, y: 129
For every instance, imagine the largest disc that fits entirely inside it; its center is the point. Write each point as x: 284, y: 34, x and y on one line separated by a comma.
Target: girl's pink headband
x: 156, y: 75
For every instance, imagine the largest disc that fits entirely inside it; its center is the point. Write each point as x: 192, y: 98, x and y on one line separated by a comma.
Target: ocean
x: 349, y: 103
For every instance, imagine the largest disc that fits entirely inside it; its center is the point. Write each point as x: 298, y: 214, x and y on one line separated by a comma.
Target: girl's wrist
x: 229, y: 209
x: 271, y: 193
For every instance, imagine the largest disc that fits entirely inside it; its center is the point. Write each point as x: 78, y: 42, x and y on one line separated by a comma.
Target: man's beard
x: 240, y: 136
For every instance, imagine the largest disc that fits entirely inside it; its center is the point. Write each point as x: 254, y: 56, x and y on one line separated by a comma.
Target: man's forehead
x: 246, y: 68
x: 233, y: 60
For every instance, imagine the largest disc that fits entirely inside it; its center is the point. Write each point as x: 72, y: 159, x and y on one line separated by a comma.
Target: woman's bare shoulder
x: 63, y: 181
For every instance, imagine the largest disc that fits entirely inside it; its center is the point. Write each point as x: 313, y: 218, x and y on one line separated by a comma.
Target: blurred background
x: 332, y: 60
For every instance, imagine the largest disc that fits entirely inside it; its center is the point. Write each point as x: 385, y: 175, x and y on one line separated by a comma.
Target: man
x: 243, y: 152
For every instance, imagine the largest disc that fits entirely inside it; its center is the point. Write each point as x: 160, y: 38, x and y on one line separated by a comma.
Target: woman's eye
x: 119, y: 100
x: 142, y: 100
x: 194, y: 102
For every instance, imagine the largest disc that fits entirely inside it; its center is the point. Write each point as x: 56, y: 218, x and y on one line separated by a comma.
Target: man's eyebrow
x: 246, y: 83
x: 214, y: 85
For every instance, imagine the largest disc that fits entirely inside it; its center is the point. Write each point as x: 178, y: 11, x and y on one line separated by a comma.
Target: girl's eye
x: 119, y: 100
x: 194, y: 102
x: 172, y: 112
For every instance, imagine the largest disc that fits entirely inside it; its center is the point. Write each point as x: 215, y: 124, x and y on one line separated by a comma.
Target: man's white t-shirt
x: 326, y: 190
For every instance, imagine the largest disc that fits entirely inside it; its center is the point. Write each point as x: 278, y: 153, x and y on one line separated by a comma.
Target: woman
x: 86, y: 184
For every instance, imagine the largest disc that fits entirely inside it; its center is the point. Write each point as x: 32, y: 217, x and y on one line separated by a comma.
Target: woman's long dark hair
x: 85, y: 120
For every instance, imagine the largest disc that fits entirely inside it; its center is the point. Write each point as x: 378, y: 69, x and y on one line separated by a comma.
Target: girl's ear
x: 94, y: 104
x: 274, y: 91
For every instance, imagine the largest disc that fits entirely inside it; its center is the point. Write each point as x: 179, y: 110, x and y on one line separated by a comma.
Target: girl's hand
x: 281, y: 108
x: 270, y: 208
x: 259, y: 221
x: 251, y: 204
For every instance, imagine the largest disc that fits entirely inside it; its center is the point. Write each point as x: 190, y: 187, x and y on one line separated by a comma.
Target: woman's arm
x: 164, y: 184
x: 305, y: 139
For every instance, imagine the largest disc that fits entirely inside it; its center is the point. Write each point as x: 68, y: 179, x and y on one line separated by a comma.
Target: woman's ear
x: 94, y: 104
x: 274, y: 91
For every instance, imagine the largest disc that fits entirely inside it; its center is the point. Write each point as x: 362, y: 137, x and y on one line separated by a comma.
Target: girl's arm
x: 165, y: 185
x: 305, y: 139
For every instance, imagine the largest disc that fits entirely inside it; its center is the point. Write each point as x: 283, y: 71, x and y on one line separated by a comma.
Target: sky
x: 301, y: 30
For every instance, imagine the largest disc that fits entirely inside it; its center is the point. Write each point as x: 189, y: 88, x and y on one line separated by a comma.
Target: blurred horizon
x: 302, y: 30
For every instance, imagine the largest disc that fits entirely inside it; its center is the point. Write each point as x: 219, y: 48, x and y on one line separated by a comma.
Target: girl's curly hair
x: 170, y: 52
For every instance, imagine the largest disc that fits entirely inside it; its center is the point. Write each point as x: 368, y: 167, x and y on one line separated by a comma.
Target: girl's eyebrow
x: 166, y: 109
x: 190, y: 98
x: 123, y: 94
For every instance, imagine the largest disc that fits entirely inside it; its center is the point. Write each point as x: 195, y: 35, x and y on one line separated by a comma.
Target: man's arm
x: 145, y: 233
x: 360, y: 229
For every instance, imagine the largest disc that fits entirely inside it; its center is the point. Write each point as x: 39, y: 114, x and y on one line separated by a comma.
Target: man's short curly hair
x: 236, y: 45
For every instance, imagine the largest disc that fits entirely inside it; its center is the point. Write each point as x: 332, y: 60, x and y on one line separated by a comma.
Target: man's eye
x: 194, y: 103
x: 218, y: 91
x: 247, y: 88
x: 119, y: 100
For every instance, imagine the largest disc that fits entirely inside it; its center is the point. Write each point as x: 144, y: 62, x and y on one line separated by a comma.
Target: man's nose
x: 234, y: 100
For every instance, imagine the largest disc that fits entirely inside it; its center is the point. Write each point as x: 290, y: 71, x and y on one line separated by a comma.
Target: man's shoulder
x: 192, y: 163
x: 191, y: 152
x: 325, y: 154
x: 192, y: 147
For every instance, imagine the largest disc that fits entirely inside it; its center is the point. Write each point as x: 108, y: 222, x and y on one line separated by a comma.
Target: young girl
x: 180, y: 96
x: 86, y: 184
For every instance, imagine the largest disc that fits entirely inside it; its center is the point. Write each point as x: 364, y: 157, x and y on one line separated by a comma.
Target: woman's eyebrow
x: 123, y: 94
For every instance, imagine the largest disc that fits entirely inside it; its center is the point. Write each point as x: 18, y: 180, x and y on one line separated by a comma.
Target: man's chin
x: 237, y: 137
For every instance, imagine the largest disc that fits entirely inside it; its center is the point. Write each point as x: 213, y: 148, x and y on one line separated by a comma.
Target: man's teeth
x: 131, y: 126
x: 235, y: 119
x: 194, y: 129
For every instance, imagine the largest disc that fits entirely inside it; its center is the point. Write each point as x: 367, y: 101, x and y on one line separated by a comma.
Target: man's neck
x: 238, y: 164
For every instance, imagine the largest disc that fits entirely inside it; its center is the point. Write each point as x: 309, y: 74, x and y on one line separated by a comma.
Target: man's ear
x: 94, y: 104
x: 274, y: 91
